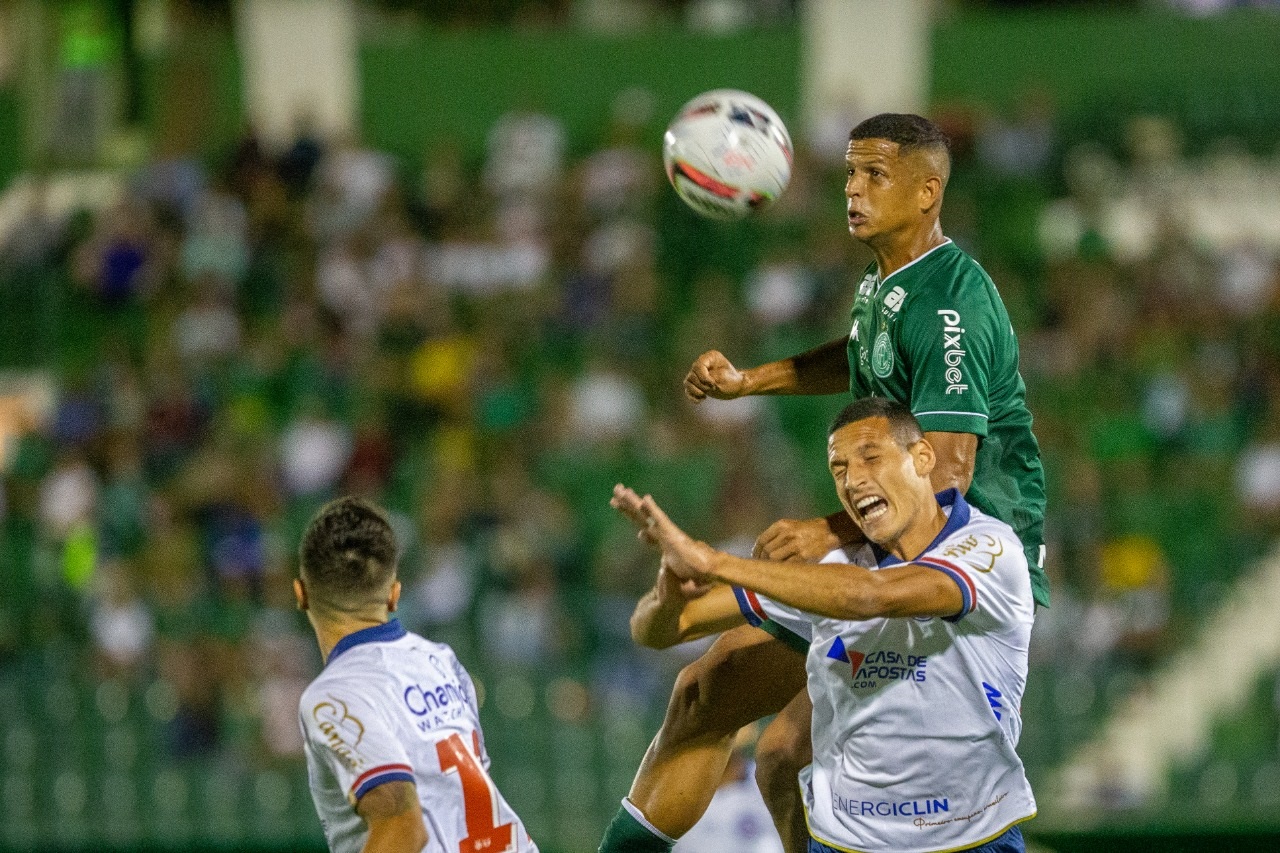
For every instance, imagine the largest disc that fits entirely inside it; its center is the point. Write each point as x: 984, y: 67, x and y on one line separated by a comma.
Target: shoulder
x: 952, y: 279
x: 983, y: 545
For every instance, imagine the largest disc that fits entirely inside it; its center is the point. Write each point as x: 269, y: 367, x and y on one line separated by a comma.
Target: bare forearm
x: 841, y: 590
x: 824, y: 589
x: 655, y: 624
x: 660, y: 621
x: 822, y: 370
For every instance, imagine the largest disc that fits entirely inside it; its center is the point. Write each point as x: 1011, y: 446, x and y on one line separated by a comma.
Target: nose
x: 853, y: 185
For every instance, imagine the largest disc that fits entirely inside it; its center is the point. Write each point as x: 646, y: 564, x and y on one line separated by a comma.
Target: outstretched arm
x: 822, y: 370
x: 835, y: 590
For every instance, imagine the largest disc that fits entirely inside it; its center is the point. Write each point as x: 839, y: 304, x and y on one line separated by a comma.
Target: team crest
x: 882, y: 356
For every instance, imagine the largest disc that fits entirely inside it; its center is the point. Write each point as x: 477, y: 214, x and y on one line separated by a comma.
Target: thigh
x: 746, y: 674
x: 787, y: 738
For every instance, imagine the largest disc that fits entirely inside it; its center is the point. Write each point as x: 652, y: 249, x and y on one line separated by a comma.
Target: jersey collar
x: 958, y: 518
x: 946, y: 241
x: 384, y: 633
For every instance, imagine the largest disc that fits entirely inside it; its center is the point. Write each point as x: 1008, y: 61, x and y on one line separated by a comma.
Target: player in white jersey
x: 917, y: 646
x: 395, y: 756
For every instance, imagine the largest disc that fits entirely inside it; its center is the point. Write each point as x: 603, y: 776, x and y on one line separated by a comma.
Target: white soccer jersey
x: 389, y: 706
x: 915, y: 721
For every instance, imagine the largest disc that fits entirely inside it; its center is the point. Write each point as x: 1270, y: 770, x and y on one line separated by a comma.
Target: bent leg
x: 745, y: 675
x: 784, y: 749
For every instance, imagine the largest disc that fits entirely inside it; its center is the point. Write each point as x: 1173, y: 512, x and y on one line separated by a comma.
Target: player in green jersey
x: 928, y: 329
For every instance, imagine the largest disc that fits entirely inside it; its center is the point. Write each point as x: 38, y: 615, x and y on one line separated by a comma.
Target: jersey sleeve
x: 988, y: 564
x: 349, y: 736
x: 789, y: 625
x: 949, y: 339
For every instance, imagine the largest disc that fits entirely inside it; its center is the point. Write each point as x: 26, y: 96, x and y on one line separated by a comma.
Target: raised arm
x: 835, y: 590
x: 822, y: 370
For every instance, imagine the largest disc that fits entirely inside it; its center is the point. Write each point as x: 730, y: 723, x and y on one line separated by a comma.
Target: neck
x: 331, y: 629
x: 899, y: 250
x: 919, y: 536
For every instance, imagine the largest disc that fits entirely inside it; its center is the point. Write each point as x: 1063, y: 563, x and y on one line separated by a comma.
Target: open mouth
x: 871, y: 507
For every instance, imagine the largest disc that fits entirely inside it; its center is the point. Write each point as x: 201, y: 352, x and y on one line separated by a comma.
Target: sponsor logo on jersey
x: 434, y: 706
x: 853, y: 333
x: 889, y: 808
x: 953, y: 351
x: 867, y: 285
x: 341, y: 729
x: 978, y: 551
x: 870, y: 669
x: 993, y: 698
x: 882, y: 356
x: 893, y: 300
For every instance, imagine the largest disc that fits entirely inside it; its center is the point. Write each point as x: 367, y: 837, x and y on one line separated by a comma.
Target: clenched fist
x: 713, y: 375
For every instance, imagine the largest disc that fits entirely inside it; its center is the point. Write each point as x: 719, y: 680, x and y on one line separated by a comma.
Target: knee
x: 694, y: 710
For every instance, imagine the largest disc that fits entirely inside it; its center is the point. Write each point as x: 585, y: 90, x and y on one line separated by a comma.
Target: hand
x: 806, y: 541
x: 713, y: 375
x: 670, y: 587
x: 682, y: 557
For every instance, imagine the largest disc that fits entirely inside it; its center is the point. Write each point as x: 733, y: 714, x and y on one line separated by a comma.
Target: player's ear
x: 923, y: 457
x: 300, y: 593
x: 393, y: 598
x: 930, y: 193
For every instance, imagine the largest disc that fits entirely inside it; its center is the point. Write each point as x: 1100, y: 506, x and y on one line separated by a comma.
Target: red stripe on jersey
x: 756, y: 607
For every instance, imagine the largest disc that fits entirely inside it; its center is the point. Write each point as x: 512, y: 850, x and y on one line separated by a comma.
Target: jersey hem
x: 970, y: 422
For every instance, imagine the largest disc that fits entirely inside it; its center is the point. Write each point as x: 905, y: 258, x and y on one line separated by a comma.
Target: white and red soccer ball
x: 727, y: 154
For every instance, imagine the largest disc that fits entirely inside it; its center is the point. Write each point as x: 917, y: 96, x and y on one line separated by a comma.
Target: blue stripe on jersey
x: 381, y: 779
x: 744, y: 604
x: 967, y: 600
x: 387, y: 631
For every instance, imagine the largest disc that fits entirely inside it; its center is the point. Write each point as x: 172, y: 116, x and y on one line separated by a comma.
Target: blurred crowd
x: 484, y: 343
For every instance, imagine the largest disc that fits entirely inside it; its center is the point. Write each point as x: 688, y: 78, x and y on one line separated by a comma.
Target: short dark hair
x: 903, y: 425
x: 348, y: 555
x: 910, y: 131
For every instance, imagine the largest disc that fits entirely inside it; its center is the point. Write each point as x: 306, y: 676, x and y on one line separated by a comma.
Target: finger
x: 627, y: 502
x: 781, y: 551
x: 693, y: 392
x: 657, y: 519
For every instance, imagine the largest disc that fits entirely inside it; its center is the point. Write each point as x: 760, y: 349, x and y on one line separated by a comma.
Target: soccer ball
x: 727, y: 154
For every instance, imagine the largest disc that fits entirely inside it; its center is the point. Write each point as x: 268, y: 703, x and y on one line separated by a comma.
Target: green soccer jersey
x: 935, y: 336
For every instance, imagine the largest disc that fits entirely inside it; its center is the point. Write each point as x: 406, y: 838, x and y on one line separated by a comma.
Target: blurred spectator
x: 120, y: 624
x: 525, y: 155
